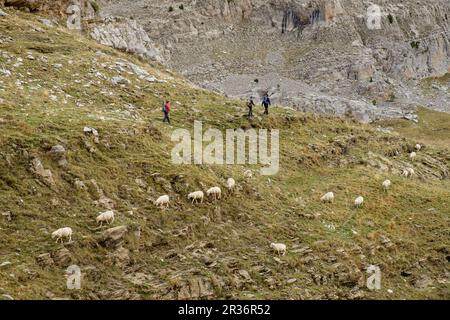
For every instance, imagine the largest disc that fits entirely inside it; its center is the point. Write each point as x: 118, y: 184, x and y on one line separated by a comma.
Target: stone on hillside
x: 80, y: 185
x: 117, y: 237
x: 46, y: 22
x: 120, y: 257
x: 196, y: 288
x: 105, y: 202
x: 5, y: 72
x: 3, y: 13
x: 44, y: 260
x: 58, y: 150
x: 93, y: 131
x: 411, y: 117
x: 120, y: 80
x: 139, y: 279
x: 5, y: 264
x: 141, y: 73
x: 45, y: 175
x: 114, y: 237
x: 6, y: 297
x: 62, y: 257
x: 6, y: 215
x: 422, y: 282
x: 59, y: 153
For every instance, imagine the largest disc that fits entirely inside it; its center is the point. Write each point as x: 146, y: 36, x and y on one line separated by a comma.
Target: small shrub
x: 390, y: 18
x: 171, y: 9
x: 392, y: 97
x: 415, y: 44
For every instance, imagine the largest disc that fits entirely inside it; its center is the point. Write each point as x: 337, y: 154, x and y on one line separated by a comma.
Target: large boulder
x: 45, y: 175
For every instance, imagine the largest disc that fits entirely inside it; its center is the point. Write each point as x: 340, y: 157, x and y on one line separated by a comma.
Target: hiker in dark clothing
x: 250, y: 106
x: 266, y: 103
x: 166, y: 110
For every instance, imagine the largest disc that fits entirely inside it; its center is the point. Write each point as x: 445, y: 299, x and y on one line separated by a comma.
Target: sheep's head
x: 272, y: 245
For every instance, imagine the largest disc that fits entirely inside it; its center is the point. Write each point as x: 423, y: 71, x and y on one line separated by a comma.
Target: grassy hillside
x: 53, y: 83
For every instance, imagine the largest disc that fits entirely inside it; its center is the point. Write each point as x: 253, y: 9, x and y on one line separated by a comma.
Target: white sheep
x: 231, y: 184
x: 196, y: 196
x: 408, y: 172
x: 107, y: 216
x: 215, y: 191
x: 279, y: 248
x: 386, y: 184
x: 418, y: 147
x: 248, y: 174
x: 62, y: 233
x: 359, y: 201
x: 328, y: 197
x: 162, y: 201
x: 412, y: 156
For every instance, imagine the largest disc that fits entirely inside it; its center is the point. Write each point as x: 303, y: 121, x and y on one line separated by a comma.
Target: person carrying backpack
x: 250, y: 105
x: 266, y: 103
x: 166, y: 110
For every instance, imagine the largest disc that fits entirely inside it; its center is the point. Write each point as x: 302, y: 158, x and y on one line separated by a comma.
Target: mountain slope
x: 54, y: 83
x: 314, y: 55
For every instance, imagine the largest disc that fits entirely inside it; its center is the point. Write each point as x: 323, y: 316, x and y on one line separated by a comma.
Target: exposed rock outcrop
x: 126, y: 35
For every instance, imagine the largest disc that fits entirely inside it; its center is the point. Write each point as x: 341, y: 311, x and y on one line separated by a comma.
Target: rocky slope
x: 57, y: 86
x: 316, y: 55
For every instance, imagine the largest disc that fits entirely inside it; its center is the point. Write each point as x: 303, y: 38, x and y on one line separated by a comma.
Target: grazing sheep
x: 386, y: 185
x: 231, y: 184
x: 62, y: 233
x: 359, y: 201
x: 248, y: 174
x: 329, y: 197
x: 279, y: 248
x: 196, y: 196
x: 412, y: 156
x: 215, y: 191
x: 162, y: 201
x: 418, y: 147
x: 107, y: 216
x: 408, y: 172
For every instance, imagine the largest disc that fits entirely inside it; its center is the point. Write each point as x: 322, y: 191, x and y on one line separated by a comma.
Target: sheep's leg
x: 112, y: 220
x: 70, y: 238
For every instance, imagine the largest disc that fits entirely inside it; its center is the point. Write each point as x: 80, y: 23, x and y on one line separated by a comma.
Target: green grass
x: 433, y: 127
x: 212, y: 241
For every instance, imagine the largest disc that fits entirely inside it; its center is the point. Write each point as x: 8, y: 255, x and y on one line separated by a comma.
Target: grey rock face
x: 126, y: 35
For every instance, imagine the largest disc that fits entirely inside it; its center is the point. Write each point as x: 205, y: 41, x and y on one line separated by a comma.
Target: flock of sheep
x: 216, y: 193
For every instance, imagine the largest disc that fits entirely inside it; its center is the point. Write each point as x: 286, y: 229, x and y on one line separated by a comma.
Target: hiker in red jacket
x: 166, y: 110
